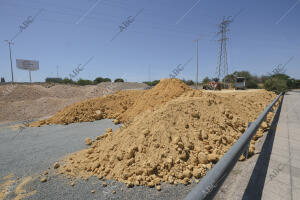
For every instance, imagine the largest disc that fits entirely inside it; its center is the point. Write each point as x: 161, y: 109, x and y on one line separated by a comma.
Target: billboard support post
x: 30, y: 76
x: 30, y: 65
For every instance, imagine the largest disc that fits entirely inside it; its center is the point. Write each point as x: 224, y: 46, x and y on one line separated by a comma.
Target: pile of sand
x: 180, y: 139
x: 122, y: 105
x: 33, y: 101
x: 16, y: 92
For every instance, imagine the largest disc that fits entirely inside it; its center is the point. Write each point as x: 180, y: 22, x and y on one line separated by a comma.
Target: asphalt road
x: 35, y: 149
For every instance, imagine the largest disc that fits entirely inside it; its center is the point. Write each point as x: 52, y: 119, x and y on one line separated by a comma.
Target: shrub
x: 54, y: 80
x: 291, y: 83
x: 147, y: 82
x: 226, y: 85
x: 153, y: 83
x: 276, y: 85
x: 297, y: 83
x: 251, y: 84
x: 84, y: 82
x: 68, y: 81
x: 189, y: 82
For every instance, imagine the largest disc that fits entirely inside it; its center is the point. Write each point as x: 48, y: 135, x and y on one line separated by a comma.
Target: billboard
x: 31, y: 65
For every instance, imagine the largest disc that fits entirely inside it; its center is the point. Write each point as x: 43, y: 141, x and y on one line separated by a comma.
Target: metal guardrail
x: 208, y: 187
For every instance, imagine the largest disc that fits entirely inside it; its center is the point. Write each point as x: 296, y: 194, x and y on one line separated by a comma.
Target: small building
x: 240, y: 83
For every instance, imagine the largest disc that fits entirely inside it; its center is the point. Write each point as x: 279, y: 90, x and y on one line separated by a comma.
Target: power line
x: 17, y: 34
x: 162, y: 33
x: 154, y: 25
x: 290, y: 59
x: 186, y: 13
x: 88, y: 11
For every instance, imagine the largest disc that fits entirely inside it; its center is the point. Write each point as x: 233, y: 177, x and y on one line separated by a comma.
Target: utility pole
x: 197, y: 74
x: 222, y: 68
x: 57, y: 71
x: 11, y: 67
x: 149, y: 73
x: 197, y: 71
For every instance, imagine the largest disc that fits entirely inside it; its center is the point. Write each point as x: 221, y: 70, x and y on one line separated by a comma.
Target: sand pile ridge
x: 122, y: 105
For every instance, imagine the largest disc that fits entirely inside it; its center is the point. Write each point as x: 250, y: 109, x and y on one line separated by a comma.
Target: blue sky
x: 69, y: 32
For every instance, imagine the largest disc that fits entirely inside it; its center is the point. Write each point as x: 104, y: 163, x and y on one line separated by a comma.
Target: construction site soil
x: 34, y: 101
x: 171, y: 133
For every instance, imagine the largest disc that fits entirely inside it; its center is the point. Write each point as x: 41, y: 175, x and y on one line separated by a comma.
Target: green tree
x: 206, y: 80
x: 245, y: 74
x: 230, y: 78
x: 98, y: 80
x: 281, y: 76
x: 216, y: 79
x: 106, y: 80
x: 118, y: 80
x: 263, y: 78
x: 276, y: 85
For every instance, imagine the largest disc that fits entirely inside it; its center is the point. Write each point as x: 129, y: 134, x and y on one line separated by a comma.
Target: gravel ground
x: 31, y: 151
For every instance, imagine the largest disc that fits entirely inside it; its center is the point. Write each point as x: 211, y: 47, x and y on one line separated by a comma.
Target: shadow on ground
x: 258, y: 177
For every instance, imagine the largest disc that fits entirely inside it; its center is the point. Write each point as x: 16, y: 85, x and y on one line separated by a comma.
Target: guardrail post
x: 246, y: 152
x: 265, y: 119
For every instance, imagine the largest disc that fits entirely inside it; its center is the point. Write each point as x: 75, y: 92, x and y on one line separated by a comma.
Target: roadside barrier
x: 210, y: 184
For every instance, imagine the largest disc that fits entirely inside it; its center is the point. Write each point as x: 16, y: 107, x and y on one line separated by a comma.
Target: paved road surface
x: 276, y: 174
x: 284, y: 166
x: 30, y: 153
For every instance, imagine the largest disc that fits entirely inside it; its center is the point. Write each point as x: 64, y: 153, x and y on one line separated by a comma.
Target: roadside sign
x: 31, y: 65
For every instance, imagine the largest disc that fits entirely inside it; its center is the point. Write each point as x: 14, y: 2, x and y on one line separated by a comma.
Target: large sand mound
x: 172, y: 143
x: 172, y: 132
